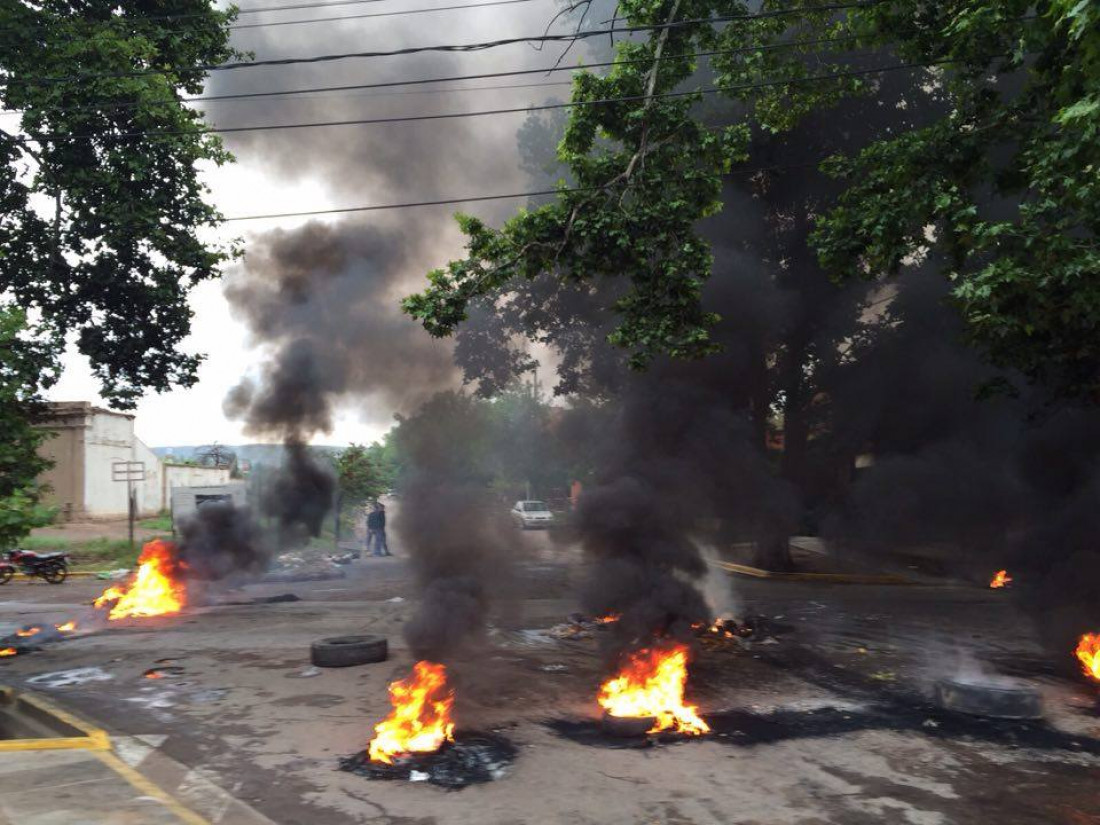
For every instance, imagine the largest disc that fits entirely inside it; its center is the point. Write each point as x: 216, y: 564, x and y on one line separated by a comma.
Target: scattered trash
x: 884, y: 676
x: 203, y: 697
x: 395, y: 600
x: 68, y: 678
x: 114, y: 575
x: 306, y: 673
x: 418, y: 776
x: 293, y: 567
x: 553, y: 668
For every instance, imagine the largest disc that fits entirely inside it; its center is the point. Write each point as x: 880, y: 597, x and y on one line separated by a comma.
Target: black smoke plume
x: 449, y: 524
x: 221, y: 542
x: 322, y: 299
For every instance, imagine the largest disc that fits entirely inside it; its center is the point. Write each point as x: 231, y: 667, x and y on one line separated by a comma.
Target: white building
x: 89, y: 446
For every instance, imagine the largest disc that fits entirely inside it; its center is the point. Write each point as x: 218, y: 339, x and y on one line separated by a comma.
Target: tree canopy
x: 101, y: 217
x: 104, y: 218
x: 26, y: 365
x: 996, y: 184
x: 361, y: 478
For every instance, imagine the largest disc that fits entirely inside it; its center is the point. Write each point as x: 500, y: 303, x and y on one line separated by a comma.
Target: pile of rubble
x: 300, y: 567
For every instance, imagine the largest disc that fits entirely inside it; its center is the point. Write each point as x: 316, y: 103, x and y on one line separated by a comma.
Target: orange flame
x: 1002, y: 579
x: 30, y: 631
x: 7, y: 651
x: 153, y: 591
x: 610, y: 618
x: 420, y: 721
x: 1088, y: 651
x: 68, y: 627
x: 651, y: 683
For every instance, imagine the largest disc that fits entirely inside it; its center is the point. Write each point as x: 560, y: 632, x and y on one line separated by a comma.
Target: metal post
x: 130, y: 507
x: 336, y: 526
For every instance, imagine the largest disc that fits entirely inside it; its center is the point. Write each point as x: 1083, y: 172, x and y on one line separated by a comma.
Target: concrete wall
x: 108, y: 439
x: 185, y: 475
x: 187, y: 500
x: 65, y: 448
x: 150, y: 493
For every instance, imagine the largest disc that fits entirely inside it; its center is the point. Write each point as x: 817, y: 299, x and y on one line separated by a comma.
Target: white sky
x: 194, y: 415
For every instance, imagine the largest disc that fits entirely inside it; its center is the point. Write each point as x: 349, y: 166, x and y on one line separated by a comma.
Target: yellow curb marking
x: 94, y: 739
x: 98, y: 743
x: 146, y: 787
x: 73, y: 574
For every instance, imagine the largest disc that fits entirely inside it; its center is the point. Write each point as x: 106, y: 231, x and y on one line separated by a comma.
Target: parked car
x: 530, y: 515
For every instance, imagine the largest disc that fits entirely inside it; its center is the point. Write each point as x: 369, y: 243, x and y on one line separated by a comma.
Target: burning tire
x: 627, y: 727
x: 348, y: 651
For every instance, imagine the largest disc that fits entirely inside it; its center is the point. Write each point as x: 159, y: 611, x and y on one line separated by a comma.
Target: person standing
x: 376, y: 530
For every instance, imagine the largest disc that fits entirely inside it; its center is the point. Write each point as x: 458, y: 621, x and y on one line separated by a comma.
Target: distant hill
x: 269, y: 454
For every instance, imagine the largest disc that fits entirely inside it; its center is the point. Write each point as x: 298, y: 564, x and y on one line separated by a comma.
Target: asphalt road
x: 823, y: 718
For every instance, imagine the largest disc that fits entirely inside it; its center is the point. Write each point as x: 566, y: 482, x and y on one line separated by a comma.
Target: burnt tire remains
x: 1003, y: 700
x: 348, y: 651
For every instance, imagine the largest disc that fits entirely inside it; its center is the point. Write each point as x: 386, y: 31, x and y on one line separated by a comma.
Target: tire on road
x: 627, y: 727
x: 56, y: 573
x: 348, y: 651
x: 6, y: 574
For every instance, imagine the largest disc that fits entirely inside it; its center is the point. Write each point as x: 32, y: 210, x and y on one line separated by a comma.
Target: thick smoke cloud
x: 459, y: 548
x: 322, y: 300
x: 222, y: 542
x: 684, y: 469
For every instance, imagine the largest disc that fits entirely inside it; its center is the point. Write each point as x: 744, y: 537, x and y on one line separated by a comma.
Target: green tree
x: 357, y: 474
x: 104, y: 215
x: 646, y: 171
x: 1000, y: 184
x: 104, y: 209
x: 26, y: 367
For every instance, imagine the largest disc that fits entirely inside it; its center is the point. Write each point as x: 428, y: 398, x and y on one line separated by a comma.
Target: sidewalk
x: 57, y: 769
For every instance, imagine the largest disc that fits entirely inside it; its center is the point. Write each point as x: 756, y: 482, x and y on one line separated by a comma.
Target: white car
x: 532, y: 515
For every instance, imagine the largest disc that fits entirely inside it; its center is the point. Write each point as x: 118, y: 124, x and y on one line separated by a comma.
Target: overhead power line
x: 789, y: 44
x: 297, y: 6
x: 488, y: 112
x: 239, y: 26
x: 399, y: 13
x: 480, y: 198
x: 459, y: 48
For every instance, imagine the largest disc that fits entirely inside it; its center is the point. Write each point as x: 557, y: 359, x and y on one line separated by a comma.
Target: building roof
x: 58, y: 409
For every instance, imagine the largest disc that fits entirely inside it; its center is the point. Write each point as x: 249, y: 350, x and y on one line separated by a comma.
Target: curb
x: 73, y: 574
x: 821, y: 578
x: 91, y: 738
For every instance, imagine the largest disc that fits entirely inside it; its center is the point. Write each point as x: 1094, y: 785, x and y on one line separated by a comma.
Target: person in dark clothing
x: 376, y: 530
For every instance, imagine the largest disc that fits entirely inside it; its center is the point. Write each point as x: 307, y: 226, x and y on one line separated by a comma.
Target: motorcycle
x: 53, y: 567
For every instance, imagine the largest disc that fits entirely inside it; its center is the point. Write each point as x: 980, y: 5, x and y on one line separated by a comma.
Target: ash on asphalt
x: 473, y: 758
x: 743, y: 728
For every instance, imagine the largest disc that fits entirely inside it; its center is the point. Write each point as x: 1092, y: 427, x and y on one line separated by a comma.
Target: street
x: 253, y: 732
